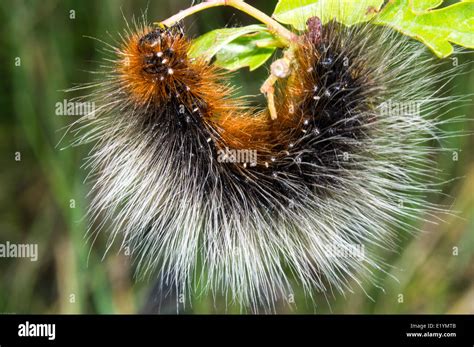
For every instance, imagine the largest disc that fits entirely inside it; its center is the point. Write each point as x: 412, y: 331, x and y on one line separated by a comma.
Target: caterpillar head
x: 156, y: 64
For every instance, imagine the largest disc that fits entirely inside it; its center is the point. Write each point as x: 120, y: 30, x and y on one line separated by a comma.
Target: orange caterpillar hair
x: 156, y: 66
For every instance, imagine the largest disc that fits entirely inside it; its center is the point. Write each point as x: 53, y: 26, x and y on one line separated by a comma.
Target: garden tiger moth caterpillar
x: 330, y: 170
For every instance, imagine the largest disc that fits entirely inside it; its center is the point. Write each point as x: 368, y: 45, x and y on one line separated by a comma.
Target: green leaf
x: 212, y: 42
x: 249, y: 50
x: 424, y: 5
x: 349, y: 12
x: 436, y: 28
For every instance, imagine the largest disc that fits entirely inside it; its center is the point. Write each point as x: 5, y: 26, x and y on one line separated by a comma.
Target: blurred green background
x: 43, y: 197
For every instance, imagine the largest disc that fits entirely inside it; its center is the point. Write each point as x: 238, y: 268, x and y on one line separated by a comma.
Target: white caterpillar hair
x: 348, y: 182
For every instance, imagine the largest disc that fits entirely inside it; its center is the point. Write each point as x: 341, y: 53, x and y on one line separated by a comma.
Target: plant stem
x: 284, y: 35
x: 191, y: 10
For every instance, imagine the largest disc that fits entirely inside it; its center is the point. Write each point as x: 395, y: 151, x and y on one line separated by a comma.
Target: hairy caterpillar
x: 329, y: 172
